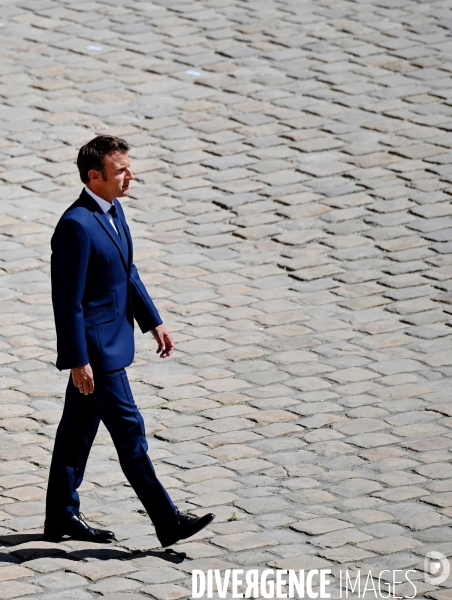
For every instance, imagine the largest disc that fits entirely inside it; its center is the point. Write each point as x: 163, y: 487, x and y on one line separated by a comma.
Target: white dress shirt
x: 104, y: 206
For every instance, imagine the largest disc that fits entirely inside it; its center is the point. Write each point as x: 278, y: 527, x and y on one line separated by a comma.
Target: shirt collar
x: 104, y: 204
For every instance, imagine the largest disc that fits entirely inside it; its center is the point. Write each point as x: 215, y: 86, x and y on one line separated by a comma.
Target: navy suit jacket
x: 96, y: 292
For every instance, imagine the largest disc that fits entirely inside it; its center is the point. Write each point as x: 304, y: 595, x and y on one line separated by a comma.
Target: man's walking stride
x: 96, y: 294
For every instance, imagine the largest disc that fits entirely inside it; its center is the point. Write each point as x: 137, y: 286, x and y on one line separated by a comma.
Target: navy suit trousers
x: 113, y: 404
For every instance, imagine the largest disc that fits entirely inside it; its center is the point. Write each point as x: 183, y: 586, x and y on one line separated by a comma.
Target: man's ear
x: 94, y: 175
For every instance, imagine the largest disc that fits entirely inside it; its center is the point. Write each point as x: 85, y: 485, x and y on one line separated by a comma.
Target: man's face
x: 114, y: 181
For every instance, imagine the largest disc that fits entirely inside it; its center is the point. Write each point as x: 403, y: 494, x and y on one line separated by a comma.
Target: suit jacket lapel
x: 127, y: 241
x: 89, y: 202
x: 103, y: 220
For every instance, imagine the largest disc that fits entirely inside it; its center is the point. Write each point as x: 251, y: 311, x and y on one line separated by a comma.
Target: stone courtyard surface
x: 292, y: 220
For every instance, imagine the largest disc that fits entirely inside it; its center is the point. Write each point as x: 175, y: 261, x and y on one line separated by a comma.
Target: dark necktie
x: 117, y: 221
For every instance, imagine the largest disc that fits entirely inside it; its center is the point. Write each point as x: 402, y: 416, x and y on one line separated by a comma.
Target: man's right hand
x: 82, y: 378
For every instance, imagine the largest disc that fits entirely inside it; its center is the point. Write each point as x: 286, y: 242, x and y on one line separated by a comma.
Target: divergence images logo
x: 436, y: 568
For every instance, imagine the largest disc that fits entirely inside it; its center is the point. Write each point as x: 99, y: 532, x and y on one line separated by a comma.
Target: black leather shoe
x: 186, y: 527
x: 77, y: 528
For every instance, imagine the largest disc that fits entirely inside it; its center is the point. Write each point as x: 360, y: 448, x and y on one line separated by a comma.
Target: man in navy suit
x: 97, y: 294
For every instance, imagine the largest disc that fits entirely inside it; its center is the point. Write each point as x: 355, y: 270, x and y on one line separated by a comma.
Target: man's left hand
x: 164, y: 340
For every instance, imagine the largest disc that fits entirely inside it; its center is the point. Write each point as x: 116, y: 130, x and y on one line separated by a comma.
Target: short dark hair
x: 91, y: 155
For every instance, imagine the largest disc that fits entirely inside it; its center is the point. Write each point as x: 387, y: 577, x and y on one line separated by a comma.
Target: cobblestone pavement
x: 292, y: 219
